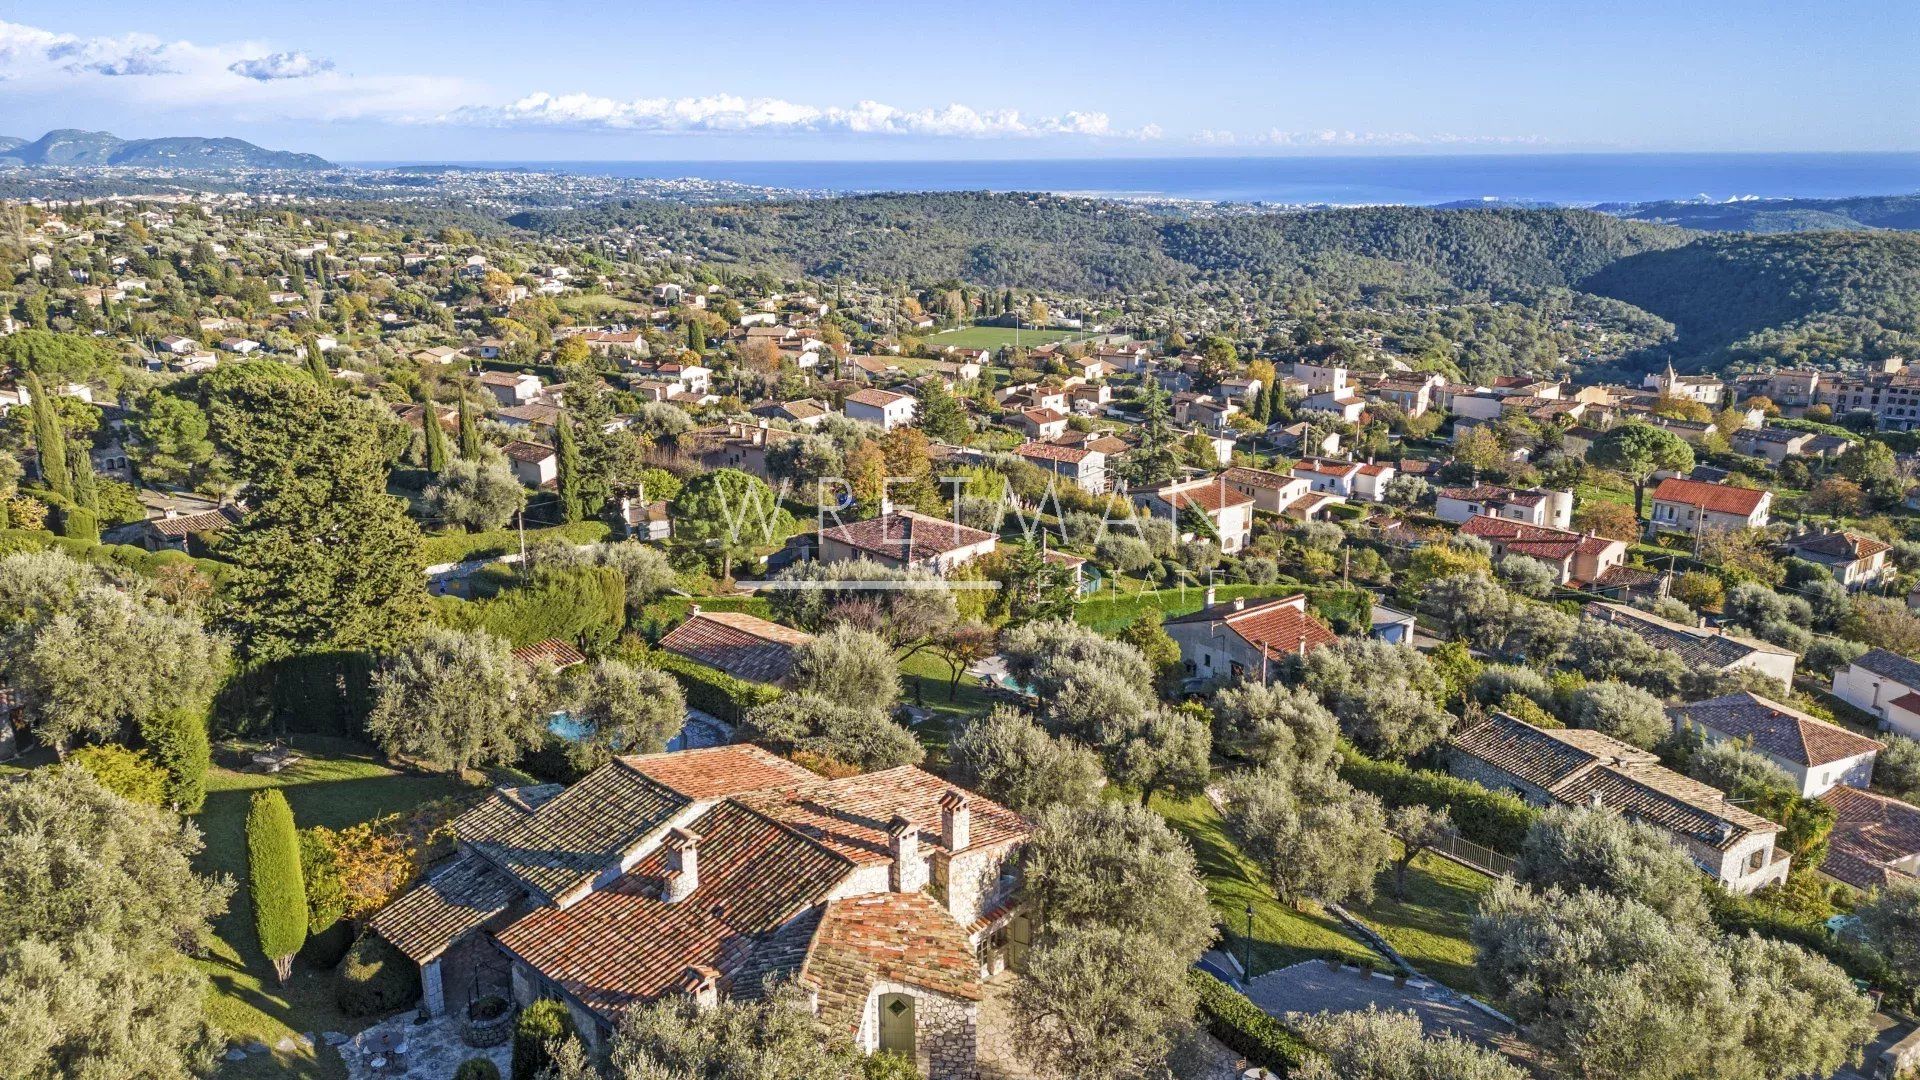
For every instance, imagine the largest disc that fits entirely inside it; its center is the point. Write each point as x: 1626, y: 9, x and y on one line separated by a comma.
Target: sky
x: 533, y: 80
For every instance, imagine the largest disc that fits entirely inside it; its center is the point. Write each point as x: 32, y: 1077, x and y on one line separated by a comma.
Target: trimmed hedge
x: 459, y: 547
x: 1245, y: 1028
x: 711, y: 690
x: 375, y: 978
x: 1492, y: 819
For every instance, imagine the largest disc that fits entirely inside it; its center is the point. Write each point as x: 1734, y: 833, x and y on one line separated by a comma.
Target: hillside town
x: 559, y: 646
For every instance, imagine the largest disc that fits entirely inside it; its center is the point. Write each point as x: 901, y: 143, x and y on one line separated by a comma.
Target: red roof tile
x: 895, y: 937
x: 850, y: 815
x: 906, y: 536
x: 742, y: 645
x: 1717, y: 498
x: 719, y: 771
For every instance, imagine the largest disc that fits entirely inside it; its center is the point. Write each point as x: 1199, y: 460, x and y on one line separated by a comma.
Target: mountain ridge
x: 71, y: 146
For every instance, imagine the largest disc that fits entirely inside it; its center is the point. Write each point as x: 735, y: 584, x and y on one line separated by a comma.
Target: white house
x: 1817, y: 754
x: 534, y: 464
x: 908, y: 540
x: 1885, y: 684
x: 1332, y: 477
x: 1228, y: 511
x: 511, y: 388
x: 1087, y: 468
x: 1552, y: 509
x: 1682, y: 505
x: 1272, y: 492
x: 1856, y: 560
x: 883, y: 407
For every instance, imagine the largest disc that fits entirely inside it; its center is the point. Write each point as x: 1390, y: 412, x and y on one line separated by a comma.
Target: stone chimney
x: 683, y: 865
x: 701, y: 983
x: 909, y: 873
x: 956, y: 821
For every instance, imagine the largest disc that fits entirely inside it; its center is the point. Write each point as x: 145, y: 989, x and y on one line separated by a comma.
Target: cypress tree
x: 86, y: 485
x: 274, y: 880
x: 469, y: 432
x: 50, y: 440
x: 177, y: 739
x: 317, y: 363
x: 572, y: 504
x: 696, y: 338
x: 436, y: 438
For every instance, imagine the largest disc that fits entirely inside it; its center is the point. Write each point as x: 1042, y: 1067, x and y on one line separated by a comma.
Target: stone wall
x: 946, y: 1030
x: 971, y: 881
x: 1468, y: 767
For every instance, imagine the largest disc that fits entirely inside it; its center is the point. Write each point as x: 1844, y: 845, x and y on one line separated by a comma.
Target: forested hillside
x: 1092, y: 246
x: 1801, y: 298
x: 1781, y: 215
x: 1804, y: 298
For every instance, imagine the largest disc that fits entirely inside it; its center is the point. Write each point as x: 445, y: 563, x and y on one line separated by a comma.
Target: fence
x: 1484, y: 859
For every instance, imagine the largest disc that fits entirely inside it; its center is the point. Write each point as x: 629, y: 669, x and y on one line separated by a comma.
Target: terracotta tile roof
x: 850, y: 815
x: 1375, y: 470
x: 1325, y: 467
x: 1492, y: 493
x: 552, y: 654
x: 1042, y: 416
x: 879, y: 399
x: 543, y: 415
x: 1538, y: 541
x: 1586, y: 768
x: 1209, y: 495
x: 1870, y: 833
x: 503, y: 807
x: 206, y: 521
x: 454, y: 900
x: 1891, y: 665
x: 892, y: 937
x: 1698, y: 646
x: 1778, y: 730
x: 744, y: 646
x: 906, y: 536
x: 1053, y: 452
x: 624, y: 945
x: 1842, y: 545
x: 1282, y: 627
x: 1718, y: 498
x: 719, y: 771
x: 1263, y: 479
x: 571, y: 838
x: 531, y: 452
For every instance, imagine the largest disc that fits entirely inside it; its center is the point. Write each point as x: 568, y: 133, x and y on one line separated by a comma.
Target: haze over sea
x: 1424, y: 180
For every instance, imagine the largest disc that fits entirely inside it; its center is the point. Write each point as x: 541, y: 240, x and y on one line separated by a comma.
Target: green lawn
x: 1281, y: 935
x: 924, y: 681
x: 1000, y: 337
x: 338, y: 784
x: 1429, y: 928
x: 1110, y: 612
x: 594, y: 305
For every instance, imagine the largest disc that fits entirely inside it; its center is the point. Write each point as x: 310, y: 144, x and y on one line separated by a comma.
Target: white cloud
x: 726, y: 113
x: 281, y: 65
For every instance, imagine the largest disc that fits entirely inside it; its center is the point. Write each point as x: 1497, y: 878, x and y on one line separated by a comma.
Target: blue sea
x: 1425, y: 180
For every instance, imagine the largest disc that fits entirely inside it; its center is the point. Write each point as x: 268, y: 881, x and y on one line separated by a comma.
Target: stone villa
x: 886, y: 898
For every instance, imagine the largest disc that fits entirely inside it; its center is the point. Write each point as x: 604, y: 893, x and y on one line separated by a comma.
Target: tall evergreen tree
x: 696, y: 337
x: 469, y: 432
x: 49, y: 439
x: 317, y: 362
x: 274, y: 880
x: 940, y: 414
x: 86, y: 485
x: 435, y: 435
x: 572, y: 501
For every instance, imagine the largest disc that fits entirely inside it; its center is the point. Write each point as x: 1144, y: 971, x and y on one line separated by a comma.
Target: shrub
x: 1245, y: 1028
x: 541, y: 1024
x: 1490, y: 818
x: 376, y: 978
x: 477, y: 1069
x: 274, y: 882
x: 127, y: 773
x: 711, y: 690
x: 177, y: 739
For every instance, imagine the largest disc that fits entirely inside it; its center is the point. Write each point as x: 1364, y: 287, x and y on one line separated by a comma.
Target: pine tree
x: 274, y: 880
x: 317, y: 363
x: 436, y: 437
x: 940, y: 414
x: 469, y: 432
x: 50, y: 439
x: 572, y: 504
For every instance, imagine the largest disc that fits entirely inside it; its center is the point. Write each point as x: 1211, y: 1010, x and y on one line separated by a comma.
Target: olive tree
x: 1320, y: 841
x: 620, y: 709
x: 1575, y: 848
x: 1008, y: 757
x: 1098, y: 1000
x: 1385, y: 696
x: 1625, y: 712
x: 454, y: 700
x: 1377, y: 1045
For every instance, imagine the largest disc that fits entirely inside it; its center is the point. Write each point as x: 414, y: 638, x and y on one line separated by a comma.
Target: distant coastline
x: 1422, y: 180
